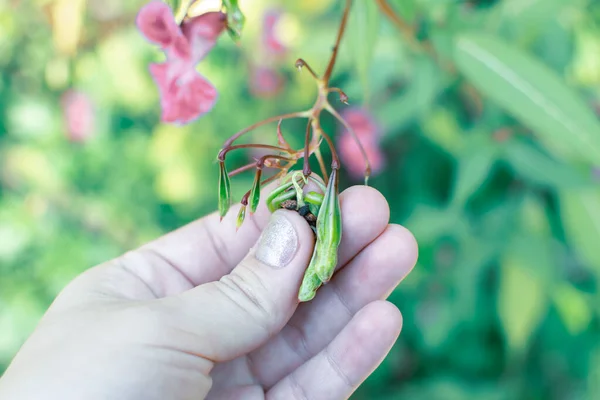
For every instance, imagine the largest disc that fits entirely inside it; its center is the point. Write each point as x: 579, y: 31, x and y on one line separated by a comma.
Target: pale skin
x: 195, y: 315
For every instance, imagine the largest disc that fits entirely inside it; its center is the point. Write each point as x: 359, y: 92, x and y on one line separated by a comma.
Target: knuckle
x: 338, y: 370
x: 246, y: 289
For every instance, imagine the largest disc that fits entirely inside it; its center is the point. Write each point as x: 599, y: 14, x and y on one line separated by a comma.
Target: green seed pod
x: 241, y: 216
x: 311, y: 282
x: 314, y: 198
x: 255, y: 193
x: 329, y: 231
x: 224, y: 190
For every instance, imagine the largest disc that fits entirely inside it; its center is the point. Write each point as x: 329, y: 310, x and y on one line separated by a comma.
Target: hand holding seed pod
x: 322, y: 212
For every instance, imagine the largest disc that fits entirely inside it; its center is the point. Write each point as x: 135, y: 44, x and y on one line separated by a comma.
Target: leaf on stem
x: 224, y: 190
x: 255, y: 193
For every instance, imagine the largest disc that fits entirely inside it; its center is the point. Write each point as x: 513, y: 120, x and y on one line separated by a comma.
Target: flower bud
x: 224, y: 190
x: 241, y: 216
x: 255, y: 193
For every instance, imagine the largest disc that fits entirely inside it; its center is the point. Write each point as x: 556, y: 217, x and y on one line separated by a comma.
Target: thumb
x: 245, y: 308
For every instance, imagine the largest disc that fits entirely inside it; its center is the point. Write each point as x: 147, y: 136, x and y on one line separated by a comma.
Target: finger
x: 370, y: 276
x: 347, y: 361
x: 250, y: 392
x: 253, y: 302
x: 365, y: 215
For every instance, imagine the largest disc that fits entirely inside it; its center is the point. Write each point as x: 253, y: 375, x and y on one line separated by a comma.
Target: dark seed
x: 310, y: 217
x: 304, y: 210
x: 290, y: 205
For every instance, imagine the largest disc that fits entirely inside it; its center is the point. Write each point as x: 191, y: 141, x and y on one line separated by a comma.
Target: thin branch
x: 336, y: 47
x: 335, y: 162
x: 253, y: 165
x: 363, y: 152
x: 300, y: 63
x: 223, y: 153
x: 300, y: 114
x: 409, y: 34
x: 306, y: 168
x: 407, y: 31
x: 240, y: 170
x: 278, y: 175
x: 340, y: 92
x: 261, y: 162
x: 319, y: 157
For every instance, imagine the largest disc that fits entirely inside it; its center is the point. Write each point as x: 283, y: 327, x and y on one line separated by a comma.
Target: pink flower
x: 368, y: 133
x: 185, y: 94
x: 79, y: 116
x: 270, y: 40
x: 265, y: 82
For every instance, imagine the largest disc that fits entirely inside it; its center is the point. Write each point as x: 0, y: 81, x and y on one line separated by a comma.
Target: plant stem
x: 363, y: 152
x: 261, y: 162
x: 240, y: 170
x: 300, y: 63
x: 227, y: 149
x: 278, y: 175
x: 253, y: 165
x: 335, y: 162
x: 322, y: 164
x: 409, y: 34
x: 340, y: 35
x: 299, y: 114
x: 306, y: 168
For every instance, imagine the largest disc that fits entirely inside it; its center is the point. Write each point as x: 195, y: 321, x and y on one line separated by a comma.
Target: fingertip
x: 381, y: 315
x: 366, y: 199
x: 404, y: 244
x: 365, y: 216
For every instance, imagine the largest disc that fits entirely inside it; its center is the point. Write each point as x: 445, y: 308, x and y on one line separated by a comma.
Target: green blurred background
x: 488, y: 111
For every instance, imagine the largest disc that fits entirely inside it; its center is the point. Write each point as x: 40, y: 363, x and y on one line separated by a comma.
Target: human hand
x: 195, y: 315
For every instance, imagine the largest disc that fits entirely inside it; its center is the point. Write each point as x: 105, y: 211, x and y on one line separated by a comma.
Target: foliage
x: 488, y: 111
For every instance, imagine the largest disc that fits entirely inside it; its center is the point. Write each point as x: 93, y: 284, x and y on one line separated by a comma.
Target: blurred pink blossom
x: 270, y: 40
x: 264, y: 79
x: 79, y: 116
x: 265, y: 82
x: 185, y: 94
x: 368, y: 132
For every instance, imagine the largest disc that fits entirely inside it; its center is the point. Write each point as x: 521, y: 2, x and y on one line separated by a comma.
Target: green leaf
x: 532, y: 164
x: 521, y: 302
x: 580, y: 212
x: 417, y: 101
x: 224, y: 190
x: 363, y: 30
x: 532, y: 14
x: 428, y: 223
x: 473, y: 168
x: 235, y: 19
x: 573, y: 308
x: 533, y: 218
x: 240, y: 217
x: 255, y: 193
x: 532, y: 93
